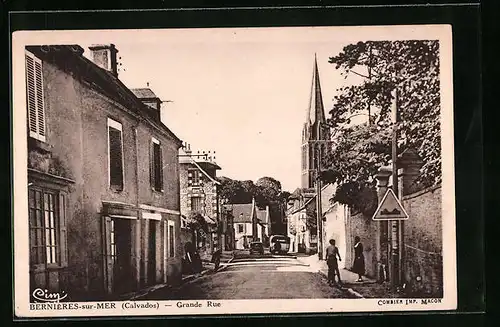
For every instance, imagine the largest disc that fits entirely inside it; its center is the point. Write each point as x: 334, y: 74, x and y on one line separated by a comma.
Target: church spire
x: 316, y: 112
x: 315, y: 129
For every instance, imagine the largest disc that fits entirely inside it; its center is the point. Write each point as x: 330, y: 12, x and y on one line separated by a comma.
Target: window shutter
x: 151, y: 165
x: 116, y: 158
x: 161, y: 168
x: 31, y: 95
x: 39, y: 99
x: 63, y: 238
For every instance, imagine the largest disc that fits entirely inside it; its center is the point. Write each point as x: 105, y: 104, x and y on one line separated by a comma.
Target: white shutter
x: 39, y: 99
x: 35, y: 98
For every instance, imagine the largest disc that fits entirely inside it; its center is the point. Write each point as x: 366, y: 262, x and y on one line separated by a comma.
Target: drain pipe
x: 138, y: 229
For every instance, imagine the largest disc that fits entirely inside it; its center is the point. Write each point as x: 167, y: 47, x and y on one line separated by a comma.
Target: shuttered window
x: 171, y: 239
x: 156, y: 166
x: 47, y: 224
x: 196, y: 204
x: 34, y: 97
x: 115, y: 155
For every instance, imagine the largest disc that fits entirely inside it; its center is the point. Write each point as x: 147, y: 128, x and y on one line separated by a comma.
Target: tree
x: 268, y: 191
x: 197, y: 224
x: 411, y: 67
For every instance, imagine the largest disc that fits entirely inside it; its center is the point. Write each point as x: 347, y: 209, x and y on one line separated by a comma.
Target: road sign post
x: 390, y: 209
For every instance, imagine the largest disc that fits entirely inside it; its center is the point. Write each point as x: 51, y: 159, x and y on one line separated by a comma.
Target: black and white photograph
x: 191, y: 171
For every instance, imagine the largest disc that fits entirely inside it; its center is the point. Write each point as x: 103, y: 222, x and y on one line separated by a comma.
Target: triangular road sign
x: 390, y: 208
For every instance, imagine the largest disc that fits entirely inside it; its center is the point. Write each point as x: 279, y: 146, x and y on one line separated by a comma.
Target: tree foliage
x: 412, y: 69
x: 266, y: 191
x: 196, y: 222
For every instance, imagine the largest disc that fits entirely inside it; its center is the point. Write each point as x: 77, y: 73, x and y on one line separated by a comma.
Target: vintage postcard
x: 233, y: 171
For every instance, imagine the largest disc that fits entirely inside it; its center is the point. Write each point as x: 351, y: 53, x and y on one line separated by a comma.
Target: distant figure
x: 216, y: 256
x: 359, y: 259
x: 332, y: 252
x: 192, y: 259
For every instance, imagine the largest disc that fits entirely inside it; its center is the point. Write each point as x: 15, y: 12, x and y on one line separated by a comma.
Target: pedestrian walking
x: 359, y: 259
x: 216, y: 256
x: 332, y: 252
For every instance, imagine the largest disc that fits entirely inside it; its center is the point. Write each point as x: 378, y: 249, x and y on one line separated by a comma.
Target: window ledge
x: 49, y: 177
x: 39, y: 145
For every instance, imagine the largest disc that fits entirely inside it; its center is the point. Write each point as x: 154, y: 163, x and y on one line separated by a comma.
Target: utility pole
x: 319, y: 213
x: 395, y: 225
x: 254, y: 221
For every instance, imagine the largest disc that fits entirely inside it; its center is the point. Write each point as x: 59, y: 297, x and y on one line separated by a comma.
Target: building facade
x: 199, y: 195
x: 104, y: 209
x: 244, y: 216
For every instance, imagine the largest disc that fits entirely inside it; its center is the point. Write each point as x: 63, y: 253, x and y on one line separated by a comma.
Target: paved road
x: 255, y: 277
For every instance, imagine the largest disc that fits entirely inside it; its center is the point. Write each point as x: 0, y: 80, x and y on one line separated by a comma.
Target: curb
x: 346, y: 289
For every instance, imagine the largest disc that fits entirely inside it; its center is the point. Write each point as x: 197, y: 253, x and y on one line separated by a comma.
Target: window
x: 240, y: 228
x: 196, y: 204
x: 47, y: 228
x: 115, y: 155
x: 171, y: 239
x: 34, y: 97
x: 194, y: 177
x: 156, y: 162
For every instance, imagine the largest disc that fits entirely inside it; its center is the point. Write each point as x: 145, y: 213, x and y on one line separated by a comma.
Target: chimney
x: 104, y: 56
x: 188, y: 149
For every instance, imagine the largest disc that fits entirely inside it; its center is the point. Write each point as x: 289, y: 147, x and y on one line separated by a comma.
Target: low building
x: 104, y: 215
x: 244, y: 215
x: 302, y: 220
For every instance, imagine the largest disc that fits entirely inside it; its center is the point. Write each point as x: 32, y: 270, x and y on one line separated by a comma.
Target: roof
x: 307, y: 190
x: 184, y: 158
x: 209, y: 220
x: 242, y: 213
x: 316, y: 111
x: 70, y: 59
x: 144, y: 93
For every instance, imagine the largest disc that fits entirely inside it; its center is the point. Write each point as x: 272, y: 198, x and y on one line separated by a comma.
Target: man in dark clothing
x: 332, y: 252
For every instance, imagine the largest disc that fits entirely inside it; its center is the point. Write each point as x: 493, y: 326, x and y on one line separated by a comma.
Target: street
x: 255, y: 277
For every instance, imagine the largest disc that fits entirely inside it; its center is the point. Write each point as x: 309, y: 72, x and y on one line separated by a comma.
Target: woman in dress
x: 359, y: 259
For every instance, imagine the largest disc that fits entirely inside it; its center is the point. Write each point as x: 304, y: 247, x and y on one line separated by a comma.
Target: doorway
x: 121, y: 243
x: 152, y: 253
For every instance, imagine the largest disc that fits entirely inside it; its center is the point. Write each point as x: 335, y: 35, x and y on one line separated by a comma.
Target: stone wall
x: 423, y: 268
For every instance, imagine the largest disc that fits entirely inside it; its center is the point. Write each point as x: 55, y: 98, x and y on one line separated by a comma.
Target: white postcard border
x: 23, y: 308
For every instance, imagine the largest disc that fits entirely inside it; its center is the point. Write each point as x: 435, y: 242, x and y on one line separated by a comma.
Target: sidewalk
x: 368, y: 288
x: 208, y: 267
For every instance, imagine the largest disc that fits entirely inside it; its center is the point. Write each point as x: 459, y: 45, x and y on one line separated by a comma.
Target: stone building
x: 199, y: 195
x: 104, y: 210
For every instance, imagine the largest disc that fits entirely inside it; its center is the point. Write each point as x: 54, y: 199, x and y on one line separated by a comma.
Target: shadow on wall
x: 84, y: 273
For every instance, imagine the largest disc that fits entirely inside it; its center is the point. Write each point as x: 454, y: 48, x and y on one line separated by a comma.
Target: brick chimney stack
x: 187, y: 149
x: 104, y: 56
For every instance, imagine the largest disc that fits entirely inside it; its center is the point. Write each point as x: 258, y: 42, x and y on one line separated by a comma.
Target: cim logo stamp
x: 46, y: 296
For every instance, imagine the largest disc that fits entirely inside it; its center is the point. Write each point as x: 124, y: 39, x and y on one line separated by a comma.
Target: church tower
x: 314, y: 130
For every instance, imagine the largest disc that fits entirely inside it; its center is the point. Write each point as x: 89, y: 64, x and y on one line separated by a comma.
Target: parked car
x: 279, y: 244
x: 256, y: 247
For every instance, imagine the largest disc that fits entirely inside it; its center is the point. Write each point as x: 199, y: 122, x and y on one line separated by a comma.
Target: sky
x: 242, y: 93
